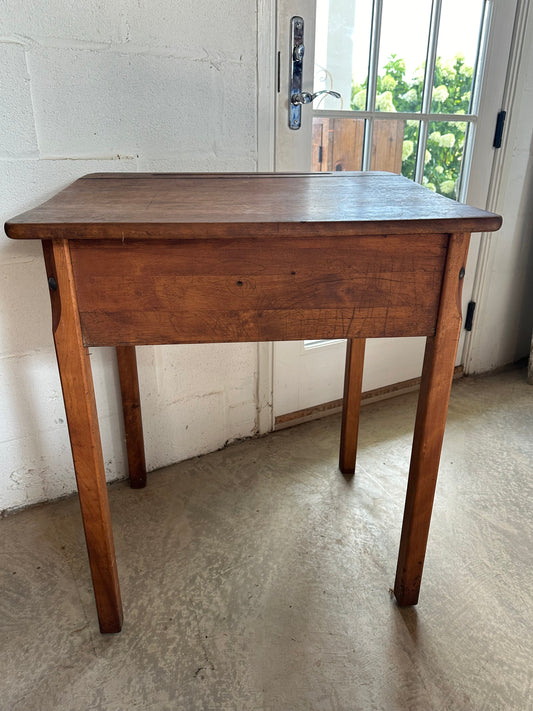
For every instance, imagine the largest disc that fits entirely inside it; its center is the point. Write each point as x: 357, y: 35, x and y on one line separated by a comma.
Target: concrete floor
x: 257, y: 578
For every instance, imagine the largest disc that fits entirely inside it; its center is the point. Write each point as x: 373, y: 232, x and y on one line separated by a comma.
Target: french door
x: 420, y: 85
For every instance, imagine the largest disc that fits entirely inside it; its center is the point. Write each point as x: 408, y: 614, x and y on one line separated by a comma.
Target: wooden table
x: 137, y: 259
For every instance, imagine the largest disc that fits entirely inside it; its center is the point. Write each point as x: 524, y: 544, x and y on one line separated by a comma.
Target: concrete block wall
x: 126, y: 85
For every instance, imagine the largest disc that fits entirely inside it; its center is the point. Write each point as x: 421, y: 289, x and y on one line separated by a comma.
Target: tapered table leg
x: 131, y: 406
x: 351, y: 404
x: 78, y: 392
x: 437, y: 376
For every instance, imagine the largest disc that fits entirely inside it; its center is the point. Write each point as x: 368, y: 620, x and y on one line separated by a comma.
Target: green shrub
x: 451, y: 95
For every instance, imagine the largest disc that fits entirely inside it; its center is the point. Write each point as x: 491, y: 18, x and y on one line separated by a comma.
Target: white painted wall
x: 125, y: 85
x: 503, y: 326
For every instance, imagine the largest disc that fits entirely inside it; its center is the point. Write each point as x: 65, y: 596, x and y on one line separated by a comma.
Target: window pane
x: 402, y: 54
x: 444, y: 155
x: 342, y: 44
x: 394, y: 146
x: 409, y: 149
x: 337, y: 144
x: 322, y: 342
x: 456, y: 55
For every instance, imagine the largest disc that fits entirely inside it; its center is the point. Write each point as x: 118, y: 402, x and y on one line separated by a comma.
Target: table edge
x: 231, y: 230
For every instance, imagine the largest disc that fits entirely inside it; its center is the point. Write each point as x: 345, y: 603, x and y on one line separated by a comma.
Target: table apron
x: 249, y: 289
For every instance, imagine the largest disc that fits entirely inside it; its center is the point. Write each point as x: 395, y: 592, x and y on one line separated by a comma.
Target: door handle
x: 297, y: 97
x: 306, y: 98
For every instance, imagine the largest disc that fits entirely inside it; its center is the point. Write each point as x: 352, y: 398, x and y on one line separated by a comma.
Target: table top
x: 197, y: 205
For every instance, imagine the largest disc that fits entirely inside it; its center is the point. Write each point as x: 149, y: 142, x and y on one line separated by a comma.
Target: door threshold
x: 335, y: 406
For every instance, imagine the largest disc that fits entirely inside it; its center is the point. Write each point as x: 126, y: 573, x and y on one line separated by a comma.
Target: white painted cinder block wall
x: 125, y: 85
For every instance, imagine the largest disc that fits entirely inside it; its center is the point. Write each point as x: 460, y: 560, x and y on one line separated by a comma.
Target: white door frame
x: 266, y: 143
x: 487, y: 251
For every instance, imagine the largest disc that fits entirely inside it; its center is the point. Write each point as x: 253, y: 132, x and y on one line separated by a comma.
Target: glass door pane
x: 444, y: 157
x: 457, y: 54
x: 342, y: 46
x: 337, y: 144
x: 403, y: 49
x: 421, y: 59
x: 394, y: 145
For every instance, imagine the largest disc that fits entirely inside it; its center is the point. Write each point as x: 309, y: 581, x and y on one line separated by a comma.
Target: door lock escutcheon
x: 297, y: 97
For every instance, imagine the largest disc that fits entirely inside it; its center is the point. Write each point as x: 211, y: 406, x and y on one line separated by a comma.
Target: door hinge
x: 470, y: 315
x: 498, y: 133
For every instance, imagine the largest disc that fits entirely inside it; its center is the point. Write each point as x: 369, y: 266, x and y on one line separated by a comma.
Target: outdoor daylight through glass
x: 409, y: 76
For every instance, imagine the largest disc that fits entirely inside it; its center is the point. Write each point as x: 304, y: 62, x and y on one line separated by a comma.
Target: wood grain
x: 337, y: 144
x: 250, y: 290
x: 345, y: 144
x: 196, y: 206
x: 131, y: 408
x: 319, y: 146
x: 351, y: 405
x: 387, y: 145
x: 78, y: 393
x: 435, y: 387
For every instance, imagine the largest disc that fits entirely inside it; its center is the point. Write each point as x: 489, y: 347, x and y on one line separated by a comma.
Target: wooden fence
x: 338, y: 144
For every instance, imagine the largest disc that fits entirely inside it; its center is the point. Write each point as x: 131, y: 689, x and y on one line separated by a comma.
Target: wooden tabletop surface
x: 195, y: 205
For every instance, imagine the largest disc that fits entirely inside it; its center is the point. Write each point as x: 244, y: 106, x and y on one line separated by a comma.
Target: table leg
x: 353, y: 379
x: 437, y: 376
x: 131, y: 406
x: 78, y: 392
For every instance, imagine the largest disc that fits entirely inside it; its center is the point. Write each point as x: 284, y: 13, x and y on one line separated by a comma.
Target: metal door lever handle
x: 297, y: 97
x: 306, y: 98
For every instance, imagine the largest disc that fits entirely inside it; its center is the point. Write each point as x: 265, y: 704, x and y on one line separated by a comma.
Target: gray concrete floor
x: 257, y: 578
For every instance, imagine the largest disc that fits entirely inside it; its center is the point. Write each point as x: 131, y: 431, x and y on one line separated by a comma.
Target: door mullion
x: 431, y: 58
x: 479, y: 71
x: 481, y: 57
x: 371, y: 86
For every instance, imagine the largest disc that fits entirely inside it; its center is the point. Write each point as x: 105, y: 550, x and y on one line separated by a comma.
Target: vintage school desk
x: 137, y: 259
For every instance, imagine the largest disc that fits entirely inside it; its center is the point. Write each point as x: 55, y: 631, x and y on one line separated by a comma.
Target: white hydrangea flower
x: 447, y: 69
x: 384, y: 102
x: 407, y: 149
x: 447, y: 187
x: 440, y: 93
x: 447, y: 141
x: 409, y: 95
x: 359, y: 100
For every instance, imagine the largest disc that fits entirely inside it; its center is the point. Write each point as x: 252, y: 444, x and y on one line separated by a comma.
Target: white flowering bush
x: 440, y: 94
x: 384, y: 102
x: 408, y: 148
x: 451, y: 95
